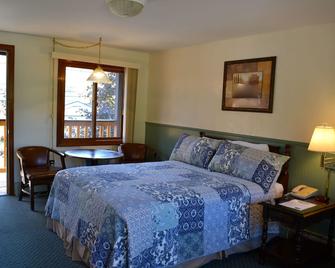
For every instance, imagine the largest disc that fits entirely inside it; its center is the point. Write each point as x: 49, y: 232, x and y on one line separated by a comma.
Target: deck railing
x: 74, y: 129
x: 3, y: 147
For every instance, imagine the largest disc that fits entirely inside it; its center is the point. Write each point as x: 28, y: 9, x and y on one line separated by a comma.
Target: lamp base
x: 322, y: 199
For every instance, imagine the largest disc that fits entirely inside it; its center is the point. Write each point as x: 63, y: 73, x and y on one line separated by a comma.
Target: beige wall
x: 33, y: 87
x: 185, y: 85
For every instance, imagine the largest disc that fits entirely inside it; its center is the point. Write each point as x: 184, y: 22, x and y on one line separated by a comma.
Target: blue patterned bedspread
x: 151, y: 214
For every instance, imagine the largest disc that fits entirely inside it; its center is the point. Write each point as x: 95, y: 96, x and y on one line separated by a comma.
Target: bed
x: 158, y: 214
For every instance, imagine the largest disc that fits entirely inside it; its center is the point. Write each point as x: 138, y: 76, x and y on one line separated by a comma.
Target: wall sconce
x: 323, y: 140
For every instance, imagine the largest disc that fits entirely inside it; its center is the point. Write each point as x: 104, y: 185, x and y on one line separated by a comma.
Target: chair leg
x: 20, y: 193
x: 32, y: 203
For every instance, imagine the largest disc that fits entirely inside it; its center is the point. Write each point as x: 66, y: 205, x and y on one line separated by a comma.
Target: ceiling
x: 163, y: 24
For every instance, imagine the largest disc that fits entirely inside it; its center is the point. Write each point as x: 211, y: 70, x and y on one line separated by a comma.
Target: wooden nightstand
x: 297, y: 250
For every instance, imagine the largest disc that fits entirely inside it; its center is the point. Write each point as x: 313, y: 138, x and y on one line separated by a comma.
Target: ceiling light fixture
x: 126, y: 8
x: 98, y: 75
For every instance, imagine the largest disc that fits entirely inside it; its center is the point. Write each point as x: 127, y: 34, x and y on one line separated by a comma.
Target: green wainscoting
x: 304, y: 166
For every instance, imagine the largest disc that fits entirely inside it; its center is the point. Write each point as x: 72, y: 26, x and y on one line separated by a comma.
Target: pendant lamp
x: 98, y: 75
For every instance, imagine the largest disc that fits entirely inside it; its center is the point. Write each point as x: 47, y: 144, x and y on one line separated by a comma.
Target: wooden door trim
x: 10, y: 52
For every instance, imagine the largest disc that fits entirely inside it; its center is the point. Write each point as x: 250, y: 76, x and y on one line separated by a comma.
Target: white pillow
x: 261, y: 147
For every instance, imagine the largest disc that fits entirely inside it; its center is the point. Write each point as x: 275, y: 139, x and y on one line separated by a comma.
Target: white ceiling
x: 163, y: 24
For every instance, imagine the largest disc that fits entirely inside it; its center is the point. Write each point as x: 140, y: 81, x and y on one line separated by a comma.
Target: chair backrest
x: 33, y: 156
x: 133, y: 152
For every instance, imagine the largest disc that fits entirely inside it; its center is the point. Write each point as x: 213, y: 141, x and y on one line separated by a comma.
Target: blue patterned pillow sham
x: 246, y: 163
x: 197, y: 151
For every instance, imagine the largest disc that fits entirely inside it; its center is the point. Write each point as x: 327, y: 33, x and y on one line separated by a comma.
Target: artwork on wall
x: 248, y: 85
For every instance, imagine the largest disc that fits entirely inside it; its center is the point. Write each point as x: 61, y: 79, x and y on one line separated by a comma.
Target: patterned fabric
x: 193, y: 150
x: 250, y: 164
x: 151, y: 214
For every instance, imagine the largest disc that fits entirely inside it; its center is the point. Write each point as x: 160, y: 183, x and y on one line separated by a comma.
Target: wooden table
x: 299, y: 250
x: 92, y: 156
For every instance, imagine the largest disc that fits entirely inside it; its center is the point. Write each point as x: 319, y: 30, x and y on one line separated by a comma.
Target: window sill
x: 88, y: 142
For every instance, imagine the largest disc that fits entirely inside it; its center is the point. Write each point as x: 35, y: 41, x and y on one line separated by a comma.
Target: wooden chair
x: 36, y: 168
x: 136, y: 153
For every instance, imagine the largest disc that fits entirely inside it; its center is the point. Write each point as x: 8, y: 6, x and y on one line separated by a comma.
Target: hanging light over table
x: 98, y: 75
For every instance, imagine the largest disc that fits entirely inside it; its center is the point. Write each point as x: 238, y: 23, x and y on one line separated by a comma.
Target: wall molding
x: 76, y: 57
x: 229, y: 134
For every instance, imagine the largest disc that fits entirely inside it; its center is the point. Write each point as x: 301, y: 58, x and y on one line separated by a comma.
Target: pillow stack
x: 197, y: 151
x: 246, y: 163
x: 259, y: 166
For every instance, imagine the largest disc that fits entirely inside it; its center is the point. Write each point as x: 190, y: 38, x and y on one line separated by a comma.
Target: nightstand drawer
x: 282, y: 217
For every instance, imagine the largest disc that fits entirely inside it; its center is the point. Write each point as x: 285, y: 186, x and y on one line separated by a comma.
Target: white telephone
x: 304, y: 191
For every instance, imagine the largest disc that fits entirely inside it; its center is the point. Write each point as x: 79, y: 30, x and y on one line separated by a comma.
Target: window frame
x: 61, y: 140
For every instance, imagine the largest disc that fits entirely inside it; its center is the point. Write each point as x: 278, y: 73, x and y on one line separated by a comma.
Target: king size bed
x: 163, y: 214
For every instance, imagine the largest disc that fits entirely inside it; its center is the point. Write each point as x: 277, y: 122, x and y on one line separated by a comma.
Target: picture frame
x: 248, y: 85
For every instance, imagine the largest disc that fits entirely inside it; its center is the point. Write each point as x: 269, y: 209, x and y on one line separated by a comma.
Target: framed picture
x: 248, y: 85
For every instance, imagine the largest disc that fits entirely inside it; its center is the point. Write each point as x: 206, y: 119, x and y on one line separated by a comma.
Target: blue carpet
x: 24, y: 239
x: 25, y: 242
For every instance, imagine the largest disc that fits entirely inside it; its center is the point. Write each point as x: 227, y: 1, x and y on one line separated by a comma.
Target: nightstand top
x: 319, y: 208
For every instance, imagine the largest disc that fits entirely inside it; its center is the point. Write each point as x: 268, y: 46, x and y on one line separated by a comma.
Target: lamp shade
x: 323, y: 139
x: 99, y: 76
x: 126, y: 8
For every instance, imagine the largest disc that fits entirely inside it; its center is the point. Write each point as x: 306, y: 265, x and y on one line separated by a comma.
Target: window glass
x: 89, y: 113
x: 3, y: 81
x: 3, y: 89
x: 108, y: 108
x: 78, y: 104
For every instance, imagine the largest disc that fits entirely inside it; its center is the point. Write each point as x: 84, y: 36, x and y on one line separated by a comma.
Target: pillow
x: 246, y: 163
x: 261, y: 147
x: 195, y: 150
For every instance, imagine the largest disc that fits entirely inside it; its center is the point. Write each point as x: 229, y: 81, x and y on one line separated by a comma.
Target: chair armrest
x: 61, y: 155
x: 22, y: 167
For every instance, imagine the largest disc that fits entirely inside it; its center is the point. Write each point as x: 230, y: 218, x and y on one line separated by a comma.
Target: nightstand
x: 298, y: 250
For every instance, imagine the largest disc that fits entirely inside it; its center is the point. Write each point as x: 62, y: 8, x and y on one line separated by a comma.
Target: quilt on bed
x: 151, y: 214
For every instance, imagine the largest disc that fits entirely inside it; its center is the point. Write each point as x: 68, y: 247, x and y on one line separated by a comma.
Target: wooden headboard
x: 284, y: 150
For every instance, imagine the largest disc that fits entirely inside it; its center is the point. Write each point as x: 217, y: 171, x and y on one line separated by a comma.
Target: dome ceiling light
x: 126, y: 8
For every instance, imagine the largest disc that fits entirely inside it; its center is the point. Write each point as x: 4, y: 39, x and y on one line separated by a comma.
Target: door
x: 6, y: 119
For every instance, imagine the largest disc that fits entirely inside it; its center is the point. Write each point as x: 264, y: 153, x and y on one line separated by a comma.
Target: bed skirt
x: 72, y: 246
x: 78, y: 252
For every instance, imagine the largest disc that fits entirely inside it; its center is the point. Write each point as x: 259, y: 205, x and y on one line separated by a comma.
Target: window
x: 88, y: 113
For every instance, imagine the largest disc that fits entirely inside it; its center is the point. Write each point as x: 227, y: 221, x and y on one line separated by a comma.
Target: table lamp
x: 323, y: 140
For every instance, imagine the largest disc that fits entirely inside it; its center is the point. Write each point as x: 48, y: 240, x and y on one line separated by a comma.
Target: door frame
x: 9, y: 50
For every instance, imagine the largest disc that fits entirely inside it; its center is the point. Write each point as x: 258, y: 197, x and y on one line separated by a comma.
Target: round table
x: 92, y: 156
